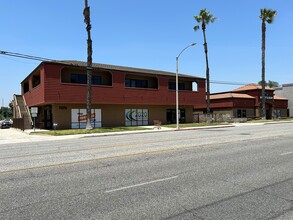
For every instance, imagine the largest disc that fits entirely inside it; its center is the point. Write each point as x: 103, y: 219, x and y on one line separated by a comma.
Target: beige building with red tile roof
x: 245, y: 102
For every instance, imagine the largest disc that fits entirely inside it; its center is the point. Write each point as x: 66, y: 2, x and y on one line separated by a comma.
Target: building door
x: 182, y: 116
x: 48, y: 117
x: 269, y: 113
x: 171, y: 116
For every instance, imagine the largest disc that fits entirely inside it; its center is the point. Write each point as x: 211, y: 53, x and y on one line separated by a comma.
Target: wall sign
x: 136, y: 117
x: 79, y: 117
x: 267, y: 97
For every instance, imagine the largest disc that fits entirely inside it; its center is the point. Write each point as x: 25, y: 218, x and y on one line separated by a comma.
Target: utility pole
x: 86, y: 13
x: 2, y: 108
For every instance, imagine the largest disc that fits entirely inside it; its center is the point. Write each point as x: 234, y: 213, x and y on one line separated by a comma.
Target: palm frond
x: 198, y: 18
x: 267, y: 15
x: 195, y: 28
x: 205, y: 17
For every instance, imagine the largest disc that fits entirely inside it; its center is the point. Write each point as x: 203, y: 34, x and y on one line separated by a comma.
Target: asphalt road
x: 241, y: 172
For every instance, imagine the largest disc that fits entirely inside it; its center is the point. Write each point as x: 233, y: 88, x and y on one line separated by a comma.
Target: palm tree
x: 86, y: 13
x: 266, y: 16
x: 270, y: 83
x: 205, y: 18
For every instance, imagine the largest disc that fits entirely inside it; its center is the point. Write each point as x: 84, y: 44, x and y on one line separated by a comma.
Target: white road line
x: 286, y: 153
x: 141, y: 184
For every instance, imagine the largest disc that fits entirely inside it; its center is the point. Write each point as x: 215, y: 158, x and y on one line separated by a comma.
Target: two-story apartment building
x: 121, y: 96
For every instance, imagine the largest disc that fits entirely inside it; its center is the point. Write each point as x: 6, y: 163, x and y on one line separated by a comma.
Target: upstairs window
x: 82, y: 79
x: 194, y: 86
x: 96, y: 80
x: 78, y: 78
x: 76, y: 75
x: 25, y: 87
x: 172, y: 86
x: 136, y: 83
x: 36, y: 80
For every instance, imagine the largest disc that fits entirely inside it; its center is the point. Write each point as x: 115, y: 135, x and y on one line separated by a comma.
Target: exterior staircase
x: 21, y: 114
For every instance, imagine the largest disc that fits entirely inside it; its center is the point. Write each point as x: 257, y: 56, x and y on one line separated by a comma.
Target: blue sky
x: 148, y: 34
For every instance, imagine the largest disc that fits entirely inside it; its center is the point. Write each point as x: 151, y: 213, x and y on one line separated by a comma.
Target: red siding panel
x: 35, y: 96
x: 53, y: 91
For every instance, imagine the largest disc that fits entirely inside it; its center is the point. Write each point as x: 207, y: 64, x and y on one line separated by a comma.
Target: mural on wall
x: 136, y: 117
x: 78, y: 118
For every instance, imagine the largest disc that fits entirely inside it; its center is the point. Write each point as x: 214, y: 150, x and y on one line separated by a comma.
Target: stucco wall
x: 114, y: 115
x: 286, y: 91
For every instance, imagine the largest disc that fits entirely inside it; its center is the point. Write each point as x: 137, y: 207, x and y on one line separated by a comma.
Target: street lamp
x: 177, y: 96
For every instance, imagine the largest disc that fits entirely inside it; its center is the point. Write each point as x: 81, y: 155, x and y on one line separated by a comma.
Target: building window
x: 36, y: 80
x: 79, y: 118
x: 82, y: 79
x: 171, y: 116
x: 136, y: 117
x: 277, y: 113
x: 25, y: 87
x: 194, y: 86
x: 96, y: 80
x: 241, y: 113
x: 78, y: 78
x: 136, y: 83
x: 172, y: 86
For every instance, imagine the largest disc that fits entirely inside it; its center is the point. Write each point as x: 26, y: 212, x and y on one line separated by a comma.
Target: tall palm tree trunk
x: 263, y: 81
x: 207, y: 72
x: 86, y: 14
x: 205, y: 18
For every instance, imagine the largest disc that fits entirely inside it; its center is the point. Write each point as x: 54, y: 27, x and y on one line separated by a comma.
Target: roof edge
x: 121, y: 68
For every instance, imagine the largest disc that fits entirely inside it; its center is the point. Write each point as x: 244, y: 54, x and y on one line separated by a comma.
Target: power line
x: 24, y: 56
x: 227, y: 82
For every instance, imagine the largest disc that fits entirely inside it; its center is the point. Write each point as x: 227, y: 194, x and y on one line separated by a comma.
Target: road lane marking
x: 141, y: 184
x: 286, y: 153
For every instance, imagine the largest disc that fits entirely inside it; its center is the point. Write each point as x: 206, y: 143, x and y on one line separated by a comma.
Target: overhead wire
x: 25, y: 56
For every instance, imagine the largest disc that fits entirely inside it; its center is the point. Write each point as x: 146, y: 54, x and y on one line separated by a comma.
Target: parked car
x: 5, y: 124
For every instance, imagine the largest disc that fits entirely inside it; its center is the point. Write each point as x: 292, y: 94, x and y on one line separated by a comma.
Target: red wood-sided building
x: 121, y: 96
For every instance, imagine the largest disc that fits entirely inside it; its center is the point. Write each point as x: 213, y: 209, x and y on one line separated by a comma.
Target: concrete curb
x: 278, y: 122
x: 19, y: 136
x: 174, y: 129
x: 153, y: 131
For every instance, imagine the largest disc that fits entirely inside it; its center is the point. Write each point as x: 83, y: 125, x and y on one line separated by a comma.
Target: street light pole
x: 177, y: 82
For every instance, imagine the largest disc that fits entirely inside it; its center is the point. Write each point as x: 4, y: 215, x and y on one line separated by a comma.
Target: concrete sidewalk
x: 12, y: 135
